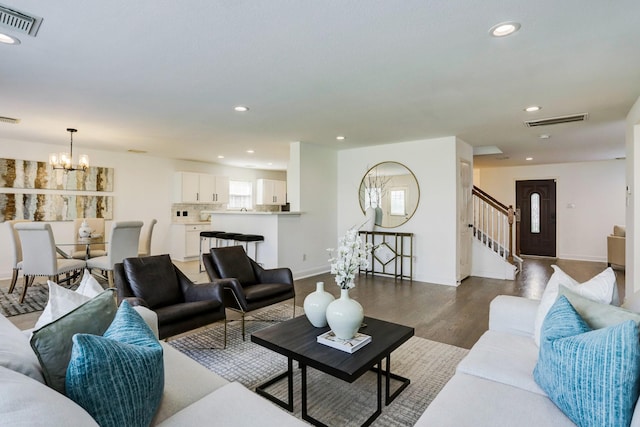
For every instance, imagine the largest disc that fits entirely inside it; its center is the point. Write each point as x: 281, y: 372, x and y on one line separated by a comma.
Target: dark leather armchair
x: 247, y: 286
x: 180, y: 304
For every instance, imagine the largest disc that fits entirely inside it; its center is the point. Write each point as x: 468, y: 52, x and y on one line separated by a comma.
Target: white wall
x: 434, y: 163
x: 312, y: 173
x: 595, y: 189
x: 633, y: 202
x: 143, y: 187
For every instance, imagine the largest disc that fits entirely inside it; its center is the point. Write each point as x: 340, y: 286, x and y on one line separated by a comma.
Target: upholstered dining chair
x: 39, y: 255
x: 80, y: 251
x: 144, y: 248
x: 16, y: 251
x: 248, y: 286
x: 123, y: 243
x: 180, y: 304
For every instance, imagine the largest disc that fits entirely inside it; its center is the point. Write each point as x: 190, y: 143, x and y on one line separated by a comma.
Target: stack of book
x: 350, y: 345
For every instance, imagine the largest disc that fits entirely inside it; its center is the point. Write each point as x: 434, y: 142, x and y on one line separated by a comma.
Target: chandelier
x: 64, y: 161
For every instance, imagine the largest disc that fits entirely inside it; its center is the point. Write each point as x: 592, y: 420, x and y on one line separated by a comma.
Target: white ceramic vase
x: 84, y: 230
x: 315, y: 306
x: 344, y: 316
x: 369, y: 219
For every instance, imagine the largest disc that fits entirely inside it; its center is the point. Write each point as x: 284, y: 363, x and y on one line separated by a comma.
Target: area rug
x: 35, y: 300
x: 428, y: 364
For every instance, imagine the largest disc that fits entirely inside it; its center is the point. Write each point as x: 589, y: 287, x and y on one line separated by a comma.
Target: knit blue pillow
x: 118, y: 378
x: 592, y: 376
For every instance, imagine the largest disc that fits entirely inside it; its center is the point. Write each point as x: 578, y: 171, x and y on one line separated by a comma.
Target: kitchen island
x: 277, y: 228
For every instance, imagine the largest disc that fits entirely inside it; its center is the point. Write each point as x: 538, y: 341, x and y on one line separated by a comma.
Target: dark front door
x: 536, y: 200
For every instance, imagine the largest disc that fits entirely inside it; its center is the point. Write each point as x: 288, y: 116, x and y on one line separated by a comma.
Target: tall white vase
x: 344, y: 316
x: 369, y: 219
x: 315, y: 306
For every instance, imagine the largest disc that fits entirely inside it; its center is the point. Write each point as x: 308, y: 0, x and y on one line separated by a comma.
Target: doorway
x: 536, y: 202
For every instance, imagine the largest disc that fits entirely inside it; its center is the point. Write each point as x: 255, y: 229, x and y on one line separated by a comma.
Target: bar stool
x: 207, y: 235
x: 248, y: 238
x: 227, y: 238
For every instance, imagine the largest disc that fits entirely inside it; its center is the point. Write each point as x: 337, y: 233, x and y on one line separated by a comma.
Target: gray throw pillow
x: 598, y: 315
x: 53, y: 342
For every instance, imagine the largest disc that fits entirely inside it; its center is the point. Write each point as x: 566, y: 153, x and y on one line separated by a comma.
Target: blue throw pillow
x: 592, y: 376
x: 119, y: 377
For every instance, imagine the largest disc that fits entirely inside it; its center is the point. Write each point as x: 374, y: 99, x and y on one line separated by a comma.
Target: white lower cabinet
x: 185, y: 241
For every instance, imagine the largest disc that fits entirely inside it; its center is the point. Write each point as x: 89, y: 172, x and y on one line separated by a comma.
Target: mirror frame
x: 362, y: 187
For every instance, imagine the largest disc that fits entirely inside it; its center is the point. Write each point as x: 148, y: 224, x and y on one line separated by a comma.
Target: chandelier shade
x: 64, y: 160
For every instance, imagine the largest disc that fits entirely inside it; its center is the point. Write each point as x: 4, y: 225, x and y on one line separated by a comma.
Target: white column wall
x: 312, y: 173
x: 632, y: 289
x: 434, y: 163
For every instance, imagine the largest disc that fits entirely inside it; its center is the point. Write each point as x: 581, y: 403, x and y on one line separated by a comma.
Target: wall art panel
x: 54, y: 207
x: 40, y: 175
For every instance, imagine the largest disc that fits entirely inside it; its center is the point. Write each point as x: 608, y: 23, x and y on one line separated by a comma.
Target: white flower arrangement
x: 353, y: 254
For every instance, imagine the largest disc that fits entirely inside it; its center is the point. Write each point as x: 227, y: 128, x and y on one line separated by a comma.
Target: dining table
x: 87, y: 241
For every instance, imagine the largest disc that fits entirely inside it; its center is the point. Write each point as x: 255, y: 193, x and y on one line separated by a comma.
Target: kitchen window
x: 240, y: 194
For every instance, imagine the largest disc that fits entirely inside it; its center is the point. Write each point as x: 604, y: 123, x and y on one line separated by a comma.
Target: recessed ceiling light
x: 529, y: 159
x: 544, y: 136
x: 340, y: 138
x: 7, y: 39
x: 533, y: 108
x: 221, y: 157
x: 269, y: 164
x: 241, y: 108
x: 250, y: 151
x: 504, y: 29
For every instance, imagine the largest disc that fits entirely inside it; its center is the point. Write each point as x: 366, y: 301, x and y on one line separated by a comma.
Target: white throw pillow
x: 89, y: 286
x: 62, y: 300
x: 600, y: 288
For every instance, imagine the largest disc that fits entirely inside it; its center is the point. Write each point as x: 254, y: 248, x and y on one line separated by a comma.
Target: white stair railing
x: 493, y: 224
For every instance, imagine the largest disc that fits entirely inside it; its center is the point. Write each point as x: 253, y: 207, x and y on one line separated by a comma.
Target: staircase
x: 493, y: 255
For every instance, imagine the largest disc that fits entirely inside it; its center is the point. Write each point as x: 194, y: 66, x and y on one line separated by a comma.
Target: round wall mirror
x: 390, y: 191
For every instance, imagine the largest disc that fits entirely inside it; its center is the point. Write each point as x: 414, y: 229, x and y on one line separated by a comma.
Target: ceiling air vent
x: 557, y: 120
x: 19, y: 21
x: 9, y: 120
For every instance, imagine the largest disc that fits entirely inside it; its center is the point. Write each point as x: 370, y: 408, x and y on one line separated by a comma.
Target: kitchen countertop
x: 254, y: 213
x: 191, y: 223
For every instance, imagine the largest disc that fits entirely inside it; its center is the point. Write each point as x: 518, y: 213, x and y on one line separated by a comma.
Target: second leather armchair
x: 247, y: 286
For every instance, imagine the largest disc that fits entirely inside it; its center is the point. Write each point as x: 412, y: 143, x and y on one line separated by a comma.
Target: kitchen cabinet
x: 271, y: 192
x: 192, y: 187
x: 185, y: 240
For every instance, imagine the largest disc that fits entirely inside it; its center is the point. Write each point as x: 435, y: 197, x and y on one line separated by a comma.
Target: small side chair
x: 248, y: 286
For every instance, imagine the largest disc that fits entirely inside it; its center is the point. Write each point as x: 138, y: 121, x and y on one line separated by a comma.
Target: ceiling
x: 164, y: 76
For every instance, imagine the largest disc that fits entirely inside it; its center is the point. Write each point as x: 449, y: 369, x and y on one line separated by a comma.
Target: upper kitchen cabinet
x: 192, y: 187
x: 271, y: 192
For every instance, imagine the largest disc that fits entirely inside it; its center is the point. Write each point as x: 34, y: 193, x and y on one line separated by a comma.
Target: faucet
x: 243, y: 209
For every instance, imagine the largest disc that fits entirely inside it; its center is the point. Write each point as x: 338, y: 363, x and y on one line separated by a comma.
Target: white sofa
x: 493, y: 385
x: 193, y: 395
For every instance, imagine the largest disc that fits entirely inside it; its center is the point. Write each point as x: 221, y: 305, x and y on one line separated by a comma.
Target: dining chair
x: 16, y: 252
x: 123, y: 243
x: 95, y: 250
x: 144, y: 248
x: 39, y: 256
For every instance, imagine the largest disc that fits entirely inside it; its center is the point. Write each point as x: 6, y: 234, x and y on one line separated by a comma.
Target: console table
x: 392, y: 254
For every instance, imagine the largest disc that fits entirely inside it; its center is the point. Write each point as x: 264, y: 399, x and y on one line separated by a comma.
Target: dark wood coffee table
x: 296, y: 340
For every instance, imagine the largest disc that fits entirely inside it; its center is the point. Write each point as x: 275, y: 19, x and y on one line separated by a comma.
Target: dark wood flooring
x: 452, y: 315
